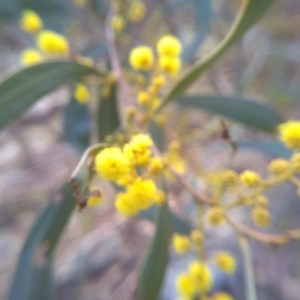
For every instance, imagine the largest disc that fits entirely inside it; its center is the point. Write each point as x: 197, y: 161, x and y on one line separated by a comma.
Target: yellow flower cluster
x: 52, y: 43
x: 31, y: 56
x: 198, y: 279
x: 289, y: 134
x: 169, y: 50
x: 215, y: 215
x: 137, y: 10
x: 225, y: 262
x: 117, y: 23
x: 183, y: 243
x: 250, y: 179
x: 31, y: 22
x: 81, y: 93
x: 141, y: 58
x: 119, y: 165
x: 48, y: 42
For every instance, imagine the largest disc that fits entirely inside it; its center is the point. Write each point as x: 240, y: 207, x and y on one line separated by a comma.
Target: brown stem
x: 272, y: 239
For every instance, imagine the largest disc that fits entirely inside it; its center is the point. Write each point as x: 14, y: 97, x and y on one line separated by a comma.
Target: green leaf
x: 108, y: 115
x: 153, y: 271
x: 251, y: 113
x: 33, y: 275
x: 179, y: 225
x: 272, y: 148
x: 248, y: 270
x: 251, y: 11
x: 157, y: 135
x: 77, y: 125
x: 23, y: 88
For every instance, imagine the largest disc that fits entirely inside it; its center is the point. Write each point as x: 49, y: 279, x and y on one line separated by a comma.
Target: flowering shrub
x: 130, y: 156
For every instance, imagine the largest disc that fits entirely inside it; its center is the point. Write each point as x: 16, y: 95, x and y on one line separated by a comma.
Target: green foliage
x: 153, y: 270
x: 77, y: 125
x: 23, y: 88
x: 108, y: 115
x: 33, y: 277
x: 250, y: 13
x: 250, y: 113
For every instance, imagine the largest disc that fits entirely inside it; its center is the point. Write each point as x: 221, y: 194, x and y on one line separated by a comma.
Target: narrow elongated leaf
x: 251, y: 11
x: 248, y: 270
x: 33, y: 275
x: 108, y: 115
x: 23, y: 88
x: 250, y: 113
x: 272, y: 148
x: 77, y: 125
x: 155, y: 265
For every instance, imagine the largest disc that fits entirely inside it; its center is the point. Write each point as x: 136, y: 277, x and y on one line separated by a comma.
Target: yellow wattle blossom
x: 289, y: 134
x: 31, y: 56
x: 202, y: 275
x: 141, y: 58
x: 261, y: 216
x: 95, y: 199
x: 143, y: 98
x: 52, y: 43
x: 250, y: 179
x: 230, y: 177
x: 81, y: 93
x: 222, y: 296
x: 170, y: 65
x: 125, y: 205
x: 156, y: 165
x: 225, y: 262
x: 197, y: 237
x: 158, y: 81
x: 136, y: 11
x: 295, y: 162
x: 215, y: 215
x: 169, y: 46
x: 112, y: 164
x: 117, y: 23
x: 186, y: 285
x: 138, y: 149
x: 31, y: 22
x: 181, y: 243
x: 142, y: 192
x: 278, y: 166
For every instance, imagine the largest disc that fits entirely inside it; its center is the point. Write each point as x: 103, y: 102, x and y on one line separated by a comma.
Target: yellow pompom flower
x: 215, y: 215
x: 31, y: 22
x: 222, y: 296
x: 143, y: 98
x: 170, y: 65
x: 52, y: 43
x: 169, y: 46
x: 112, y: 164
x: 95, y: 199
x: 137, y: 11
x: 117, y: 23
x: 142, y: 192
x: 141, y: 58
x: 202, y: 275
x: 278, y: 166
x: 250, y: 179
x: 230, y: 177
x: 125, y: 206
x: 225, y: 262
x: 295, y: 162
x: 289, y: 134
x: 181, y: 243
x: 197, y: 237
x: 156, y: 165
x: 158, y: 81
x: 261, y: 216
x: 81, y: 93
x: 138, y: 149
x: 30, y: 57
x: 186, y: 285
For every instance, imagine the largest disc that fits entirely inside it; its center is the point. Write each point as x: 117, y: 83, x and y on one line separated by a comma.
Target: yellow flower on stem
x: 181, y: 243
x: 202, y: 275
x: 289, y: 134
x: 170, y: 65
x: 250, y: 179
x: 81, y: 93
x: 169, y: 46
x: 225, y: 262
x: 31, y: 22
x: 30, y: 57
x: 52, y: 43
x: 141, y: 58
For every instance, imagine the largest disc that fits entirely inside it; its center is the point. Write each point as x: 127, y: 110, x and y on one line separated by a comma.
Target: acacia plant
x: 132, y: 152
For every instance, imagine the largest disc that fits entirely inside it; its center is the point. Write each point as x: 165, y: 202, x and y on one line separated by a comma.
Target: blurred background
x: 99, y: 254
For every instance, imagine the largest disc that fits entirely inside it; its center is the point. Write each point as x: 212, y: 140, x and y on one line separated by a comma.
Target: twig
x: 272, y: 239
